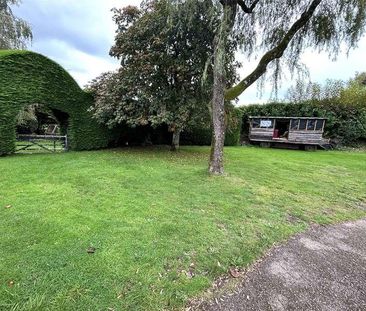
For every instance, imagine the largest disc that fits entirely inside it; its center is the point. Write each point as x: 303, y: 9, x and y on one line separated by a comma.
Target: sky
x: 78, y: 35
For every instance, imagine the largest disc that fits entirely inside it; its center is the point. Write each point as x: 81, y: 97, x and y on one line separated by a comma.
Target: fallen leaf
x: 190, y: 274
x: 234, y: 272
x: 91, y: 250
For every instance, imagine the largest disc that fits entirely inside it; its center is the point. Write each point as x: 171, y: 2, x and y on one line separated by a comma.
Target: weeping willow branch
x: 272, y: 54
x: 245, y: 8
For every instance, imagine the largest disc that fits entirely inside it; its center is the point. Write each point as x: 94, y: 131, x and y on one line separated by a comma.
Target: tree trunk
x: 175, y: 140
x: 216, y: 166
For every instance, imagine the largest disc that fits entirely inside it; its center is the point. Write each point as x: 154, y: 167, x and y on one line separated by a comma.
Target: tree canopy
x: 165, y: 77
x: 287, y: 29
x: 15, y: 33
x: 351, y: 92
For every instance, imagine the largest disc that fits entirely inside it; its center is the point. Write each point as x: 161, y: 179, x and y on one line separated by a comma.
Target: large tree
x: 164, y: 54
x: 276, y: 32
x: 15, y: 33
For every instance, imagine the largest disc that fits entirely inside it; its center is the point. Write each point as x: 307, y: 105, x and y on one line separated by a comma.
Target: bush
x: 233, y: 126
x: 202, y: 136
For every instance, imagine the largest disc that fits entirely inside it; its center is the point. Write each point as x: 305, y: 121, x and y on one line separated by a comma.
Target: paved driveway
x: 322, y: 269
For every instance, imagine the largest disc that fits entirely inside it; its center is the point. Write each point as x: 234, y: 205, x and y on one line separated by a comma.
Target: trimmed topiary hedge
x: 27, y: 78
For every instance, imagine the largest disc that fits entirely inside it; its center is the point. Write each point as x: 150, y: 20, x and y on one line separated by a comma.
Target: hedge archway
x: 27, y: 78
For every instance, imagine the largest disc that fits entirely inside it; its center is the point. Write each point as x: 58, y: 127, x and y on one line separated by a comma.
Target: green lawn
x: 162, y: 228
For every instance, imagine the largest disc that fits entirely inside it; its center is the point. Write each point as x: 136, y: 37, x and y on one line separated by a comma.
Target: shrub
x: 202, y: 136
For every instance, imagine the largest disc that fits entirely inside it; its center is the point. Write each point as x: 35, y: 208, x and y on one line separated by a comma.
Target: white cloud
x: 79, y: 34
x: 76, y: 34
x: 82, y: 66
x: 320, y: 66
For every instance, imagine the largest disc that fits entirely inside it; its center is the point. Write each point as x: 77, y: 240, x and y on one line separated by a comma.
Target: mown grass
x: 162, y: 228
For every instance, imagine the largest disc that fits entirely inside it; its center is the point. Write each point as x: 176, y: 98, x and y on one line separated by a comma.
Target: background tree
x: 15, y: 33
x: 307, y: 91
x: 351, y: 92
x: 276, y: 32
x: 34, y: 119
x: 164, y: 76
x: 354, y: 94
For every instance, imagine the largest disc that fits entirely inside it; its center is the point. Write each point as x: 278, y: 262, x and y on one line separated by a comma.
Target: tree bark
x: 216, y: 165
x: 175, y: 140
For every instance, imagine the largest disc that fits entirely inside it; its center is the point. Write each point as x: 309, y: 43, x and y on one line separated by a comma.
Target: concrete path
x: 322, y: 269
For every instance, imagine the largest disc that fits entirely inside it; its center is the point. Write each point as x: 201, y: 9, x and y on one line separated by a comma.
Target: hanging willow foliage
x: 15, y: 33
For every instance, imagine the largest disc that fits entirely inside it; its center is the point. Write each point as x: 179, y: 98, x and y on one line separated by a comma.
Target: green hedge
x: 202, y: 136
x: 27, y: 78
x: 346, y: 123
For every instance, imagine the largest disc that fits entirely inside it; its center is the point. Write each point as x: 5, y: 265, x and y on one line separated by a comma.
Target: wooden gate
x: 41, y: 143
